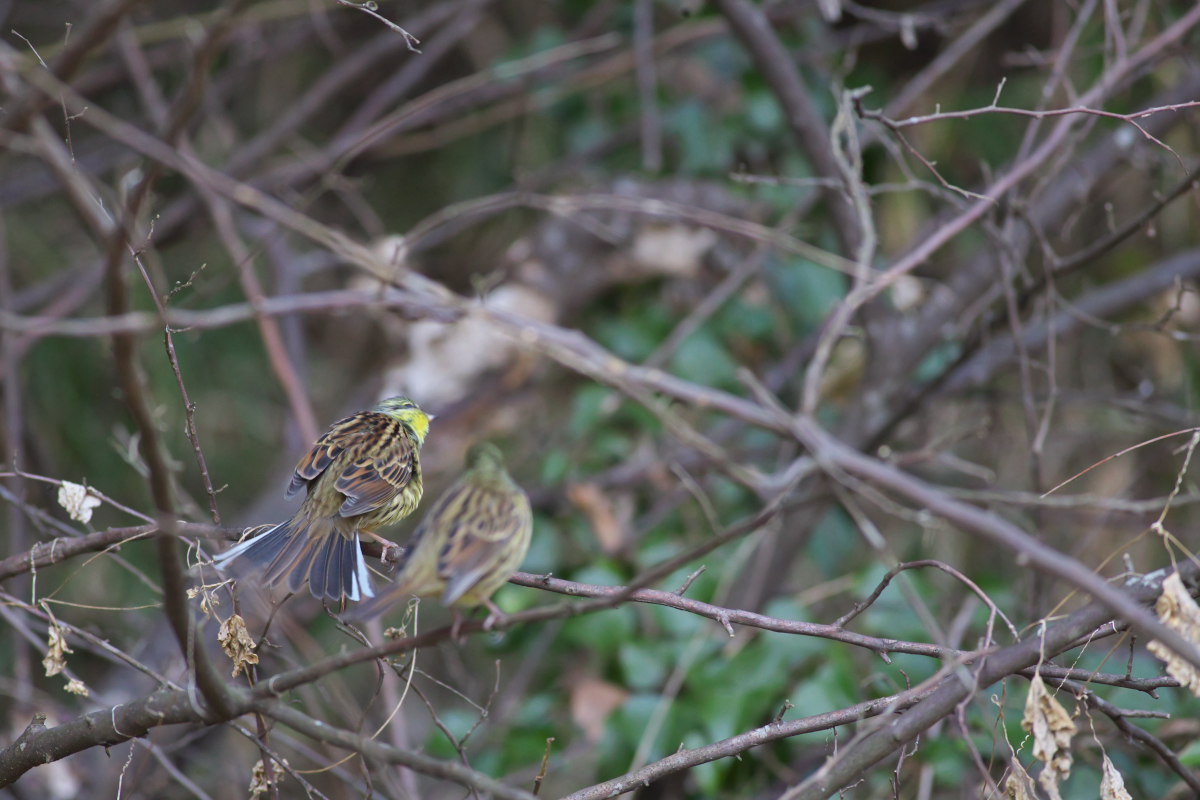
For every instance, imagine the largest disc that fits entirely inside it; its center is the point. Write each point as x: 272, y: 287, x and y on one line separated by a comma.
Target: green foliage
x: 634, y: 328
x: 703, y: 359
x: 936, y: 362
x: 86, y: 441
x: 805, y: 291
x: 833, y: 542
x: 704, y: 148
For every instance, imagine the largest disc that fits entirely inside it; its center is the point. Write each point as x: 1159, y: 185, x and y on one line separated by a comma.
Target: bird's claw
x: 496, y: 617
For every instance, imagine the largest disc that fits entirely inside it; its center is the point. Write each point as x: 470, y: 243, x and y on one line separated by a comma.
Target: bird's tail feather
x: 304, y: 549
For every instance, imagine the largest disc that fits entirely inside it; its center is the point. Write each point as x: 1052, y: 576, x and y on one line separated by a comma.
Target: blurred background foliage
x: 517, y: 98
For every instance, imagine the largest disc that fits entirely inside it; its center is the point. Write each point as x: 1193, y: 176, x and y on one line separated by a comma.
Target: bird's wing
x: 480, y: 524
x: 325, y: 451
x: 374, y: 475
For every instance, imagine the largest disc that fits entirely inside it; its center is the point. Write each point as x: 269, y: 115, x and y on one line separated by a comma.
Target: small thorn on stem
x: 687, y: 583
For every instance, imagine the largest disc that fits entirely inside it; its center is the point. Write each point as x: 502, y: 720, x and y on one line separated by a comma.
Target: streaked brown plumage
x: 363, y: 473
x: 469, y: 544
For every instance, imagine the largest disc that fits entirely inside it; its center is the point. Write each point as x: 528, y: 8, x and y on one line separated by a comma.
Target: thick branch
x: 45, y: 554
x: 40, y: 745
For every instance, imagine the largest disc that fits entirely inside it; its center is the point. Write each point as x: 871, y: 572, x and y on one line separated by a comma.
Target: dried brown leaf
x: 1052, y: 728
x: 1049, y: 782
x: 75, y: 686
x: 237, y: 643
x: 1176, y: 609
x: 259, y: 785
x: 56, y: 650
x: 1112, y: 785
x: 208, y: 600
x: 592, y: 700
x: 1018, y: 785
x: 598, y: 508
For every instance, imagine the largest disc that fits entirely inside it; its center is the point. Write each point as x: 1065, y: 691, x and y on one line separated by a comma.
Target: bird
x: 363, y: 473
x: 468, y: 545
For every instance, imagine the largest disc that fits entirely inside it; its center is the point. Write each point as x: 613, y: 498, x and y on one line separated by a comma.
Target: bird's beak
x: 431, y: 417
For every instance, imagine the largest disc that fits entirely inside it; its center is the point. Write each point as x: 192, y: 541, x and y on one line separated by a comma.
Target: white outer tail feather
x: 360, y: 582
x: 221, y: 560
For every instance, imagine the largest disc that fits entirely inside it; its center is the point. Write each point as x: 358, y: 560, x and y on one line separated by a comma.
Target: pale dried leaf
x: 445, y: 360
x: 259, y: 785
x: 1048, y: 782
x: 1177, y: 610
x: 592, y: 701
x: 1112, y: 785
x: 392, y: 249
x: 672, y: 249
x: 55, y: 660
x: 1052, y: 729
x: 75, y: 686
x: 237, y: 643
x: 1018, y: 785
x: 393, y: 633
x: 907, y: 293
x: 208, y: 601
x: 77, y: 500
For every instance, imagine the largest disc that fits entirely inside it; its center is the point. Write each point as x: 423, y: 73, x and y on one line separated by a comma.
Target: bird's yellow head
x: 408, y: 414
x: 485, y: 456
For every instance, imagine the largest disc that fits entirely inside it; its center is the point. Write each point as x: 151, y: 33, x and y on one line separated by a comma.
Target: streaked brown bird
x: 363, y: 473
x: 469, y: 544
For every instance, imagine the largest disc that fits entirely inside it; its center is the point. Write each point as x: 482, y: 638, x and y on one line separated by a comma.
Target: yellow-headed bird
x: 363, y: 473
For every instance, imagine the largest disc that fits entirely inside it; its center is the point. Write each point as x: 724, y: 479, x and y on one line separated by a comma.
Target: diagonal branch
x: 752, y: 27
x: 839, y: 458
